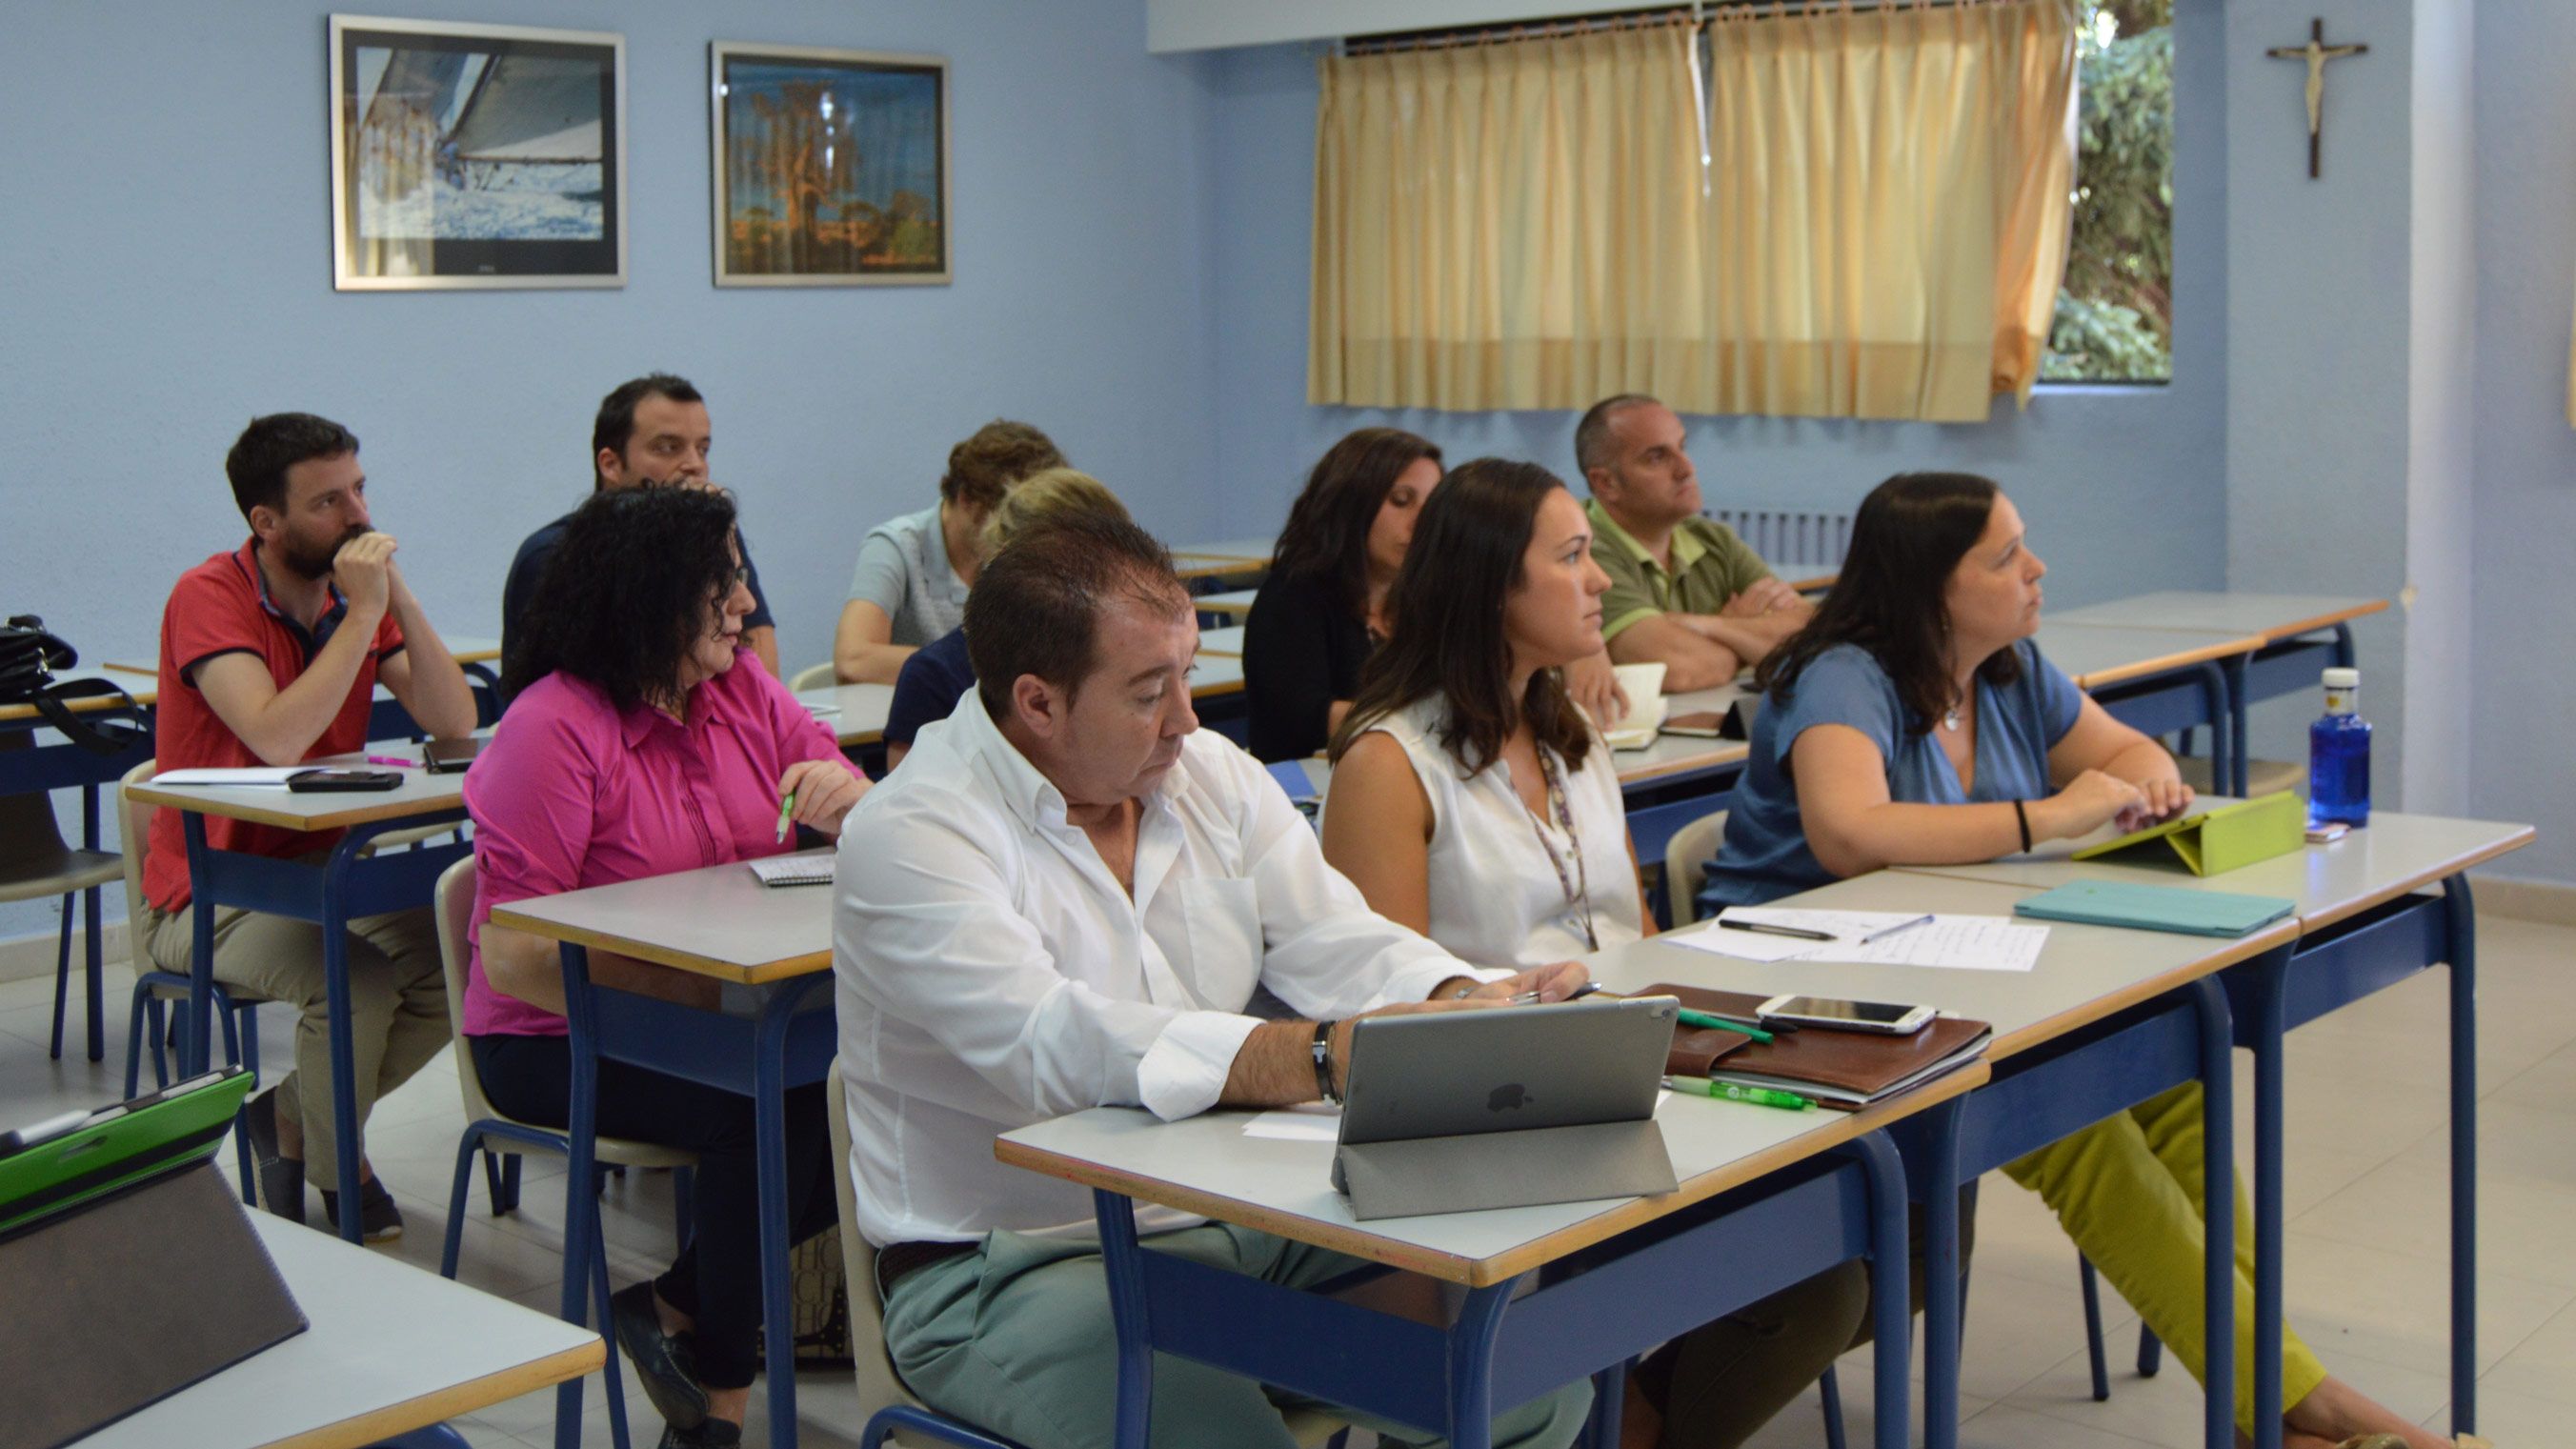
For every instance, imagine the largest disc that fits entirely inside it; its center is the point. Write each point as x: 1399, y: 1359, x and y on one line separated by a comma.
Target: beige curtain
x: 1878, y: 232
x: 1506, y: 224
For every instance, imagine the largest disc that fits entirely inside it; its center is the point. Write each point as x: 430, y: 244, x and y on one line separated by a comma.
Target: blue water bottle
x: 2339, y: 757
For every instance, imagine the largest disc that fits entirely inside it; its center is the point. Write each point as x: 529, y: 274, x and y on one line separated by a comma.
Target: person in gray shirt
x: 910, y: 584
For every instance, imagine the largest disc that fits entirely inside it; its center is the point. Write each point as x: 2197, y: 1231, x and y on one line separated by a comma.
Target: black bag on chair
x: 29, y: 657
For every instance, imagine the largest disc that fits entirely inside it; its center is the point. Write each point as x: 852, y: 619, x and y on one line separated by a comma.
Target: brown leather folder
x: 1839, y: 1068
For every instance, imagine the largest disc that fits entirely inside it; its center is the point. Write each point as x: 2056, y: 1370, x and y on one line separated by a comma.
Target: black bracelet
x: 2023, y: 816
x: 1324, y: 1063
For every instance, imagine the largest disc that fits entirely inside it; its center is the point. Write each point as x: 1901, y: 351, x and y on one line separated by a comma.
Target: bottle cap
x: 2343, y: 679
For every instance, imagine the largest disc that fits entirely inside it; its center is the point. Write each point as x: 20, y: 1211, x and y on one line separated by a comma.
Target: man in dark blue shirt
x: 650, y: 430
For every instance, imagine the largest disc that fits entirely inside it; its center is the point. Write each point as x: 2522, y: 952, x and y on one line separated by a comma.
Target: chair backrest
x: 1684, y: 855
x: 453, y: 901
x: 812, y: 676
x: 878, y: 1386
x: 133, y: 838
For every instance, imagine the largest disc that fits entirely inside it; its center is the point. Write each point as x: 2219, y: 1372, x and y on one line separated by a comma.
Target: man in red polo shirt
x: 270, y: 655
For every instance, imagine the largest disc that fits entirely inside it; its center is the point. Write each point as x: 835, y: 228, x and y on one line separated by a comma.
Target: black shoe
x: 710, y: 1434
x: 379, y: 1221
x: 280, y: 1179
x: 666, y: 1363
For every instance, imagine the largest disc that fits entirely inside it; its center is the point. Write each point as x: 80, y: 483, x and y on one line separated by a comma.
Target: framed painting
x: 831, y: 167
x: 476, y: 156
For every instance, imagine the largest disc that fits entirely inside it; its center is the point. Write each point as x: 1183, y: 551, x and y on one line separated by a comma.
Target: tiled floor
x: 2368, y: 1229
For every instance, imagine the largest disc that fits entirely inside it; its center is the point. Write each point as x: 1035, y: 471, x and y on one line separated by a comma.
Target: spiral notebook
x: 795, y: 870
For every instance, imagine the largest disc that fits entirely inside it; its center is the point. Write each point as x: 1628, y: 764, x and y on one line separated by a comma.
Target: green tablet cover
x: 2156, y: 908
x: 119, y: 1147
x: 2217, y: 841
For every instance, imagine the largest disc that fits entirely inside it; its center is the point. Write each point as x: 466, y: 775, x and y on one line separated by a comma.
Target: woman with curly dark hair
x: 637, y: 745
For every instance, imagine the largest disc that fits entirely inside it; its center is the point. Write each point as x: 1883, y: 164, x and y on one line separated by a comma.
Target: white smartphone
x: 1833, y: 1014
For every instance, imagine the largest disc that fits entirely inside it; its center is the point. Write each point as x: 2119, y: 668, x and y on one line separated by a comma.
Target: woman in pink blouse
x: 643, y: 739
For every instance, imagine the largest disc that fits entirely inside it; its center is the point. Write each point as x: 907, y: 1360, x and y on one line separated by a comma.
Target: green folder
x: 2217, y: 841
x: 2156, y: 908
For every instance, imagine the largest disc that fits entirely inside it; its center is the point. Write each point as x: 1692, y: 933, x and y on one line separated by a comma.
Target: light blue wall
x: 165, y: 249
x: 2125, y: 489
x: 2525, y: 491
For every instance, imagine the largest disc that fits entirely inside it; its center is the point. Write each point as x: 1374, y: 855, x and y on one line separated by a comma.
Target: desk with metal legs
x: 772, y: 949
x: 350, y: 882
x: 2365, y: 919
x: 1767, y: 1199
x: 29, y: 766
x: 2107, y: 1019
x: 2298, y: 634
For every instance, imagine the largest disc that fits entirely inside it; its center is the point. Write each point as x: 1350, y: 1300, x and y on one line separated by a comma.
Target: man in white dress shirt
x: 1065, y: 900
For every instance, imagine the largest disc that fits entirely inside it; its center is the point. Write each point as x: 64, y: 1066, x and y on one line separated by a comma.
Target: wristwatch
x: 1323, y: 1050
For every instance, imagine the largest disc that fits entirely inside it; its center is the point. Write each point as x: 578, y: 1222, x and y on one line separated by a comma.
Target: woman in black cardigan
x: 1320, y: 613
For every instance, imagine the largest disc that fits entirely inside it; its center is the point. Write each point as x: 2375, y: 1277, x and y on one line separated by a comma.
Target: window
x: 2115, y: 313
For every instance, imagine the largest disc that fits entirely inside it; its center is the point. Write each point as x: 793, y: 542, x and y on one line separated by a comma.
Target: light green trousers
x: 1017, y: 1339
x: 2128, y: 1190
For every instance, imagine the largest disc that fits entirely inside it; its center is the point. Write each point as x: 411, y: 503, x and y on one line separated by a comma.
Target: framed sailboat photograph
x: 476, y: 156
x: 831, y: 166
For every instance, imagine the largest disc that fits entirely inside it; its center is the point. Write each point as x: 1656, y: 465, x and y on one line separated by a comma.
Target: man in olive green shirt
x: 1684, y: 591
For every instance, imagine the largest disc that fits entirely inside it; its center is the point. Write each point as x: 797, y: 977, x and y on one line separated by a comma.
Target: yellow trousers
x: 2128, y: 1190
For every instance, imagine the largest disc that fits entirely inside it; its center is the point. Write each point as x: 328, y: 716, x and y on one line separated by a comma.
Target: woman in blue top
x: 1913, y: 722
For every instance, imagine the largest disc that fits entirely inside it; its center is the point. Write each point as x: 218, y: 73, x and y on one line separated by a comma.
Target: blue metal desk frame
x: 1592, y: 1312
x: 2342, y: 963
x: 2278, y: 668
x: 347, y: 884
x: 2186, y: 699
x: 759, y: 1056
x: 2040, y: 1095
x: 41, y: 769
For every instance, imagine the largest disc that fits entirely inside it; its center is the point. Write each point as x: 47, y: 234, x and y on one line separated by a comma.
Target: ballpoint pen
x: 1767, y: 929
x: 786, y: 808
x: 397, y: 761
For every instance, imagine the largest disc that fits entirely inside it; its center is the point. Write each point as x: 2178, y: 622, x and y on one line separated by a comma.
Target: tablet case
x: 2217, y: 841
x: 2156, y: 908
x: 1427, y: 1124
x: 118, y: 1304
x: 1839, y: 1068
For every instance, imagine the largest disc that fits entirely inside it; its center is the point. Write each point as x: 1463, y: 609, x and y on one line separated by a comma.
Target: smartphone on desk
x: 329, y: 781
x: 1888, y: 1018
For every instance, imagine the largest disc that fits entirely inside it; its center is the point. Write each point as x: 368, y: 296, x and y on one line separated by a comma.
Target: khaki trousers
x: 397, y: 1003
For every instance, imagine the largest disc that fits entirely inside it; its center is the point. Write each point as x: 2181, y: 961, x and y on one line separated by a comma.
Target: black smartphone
x: 446, y: 757
x: 327, y: 780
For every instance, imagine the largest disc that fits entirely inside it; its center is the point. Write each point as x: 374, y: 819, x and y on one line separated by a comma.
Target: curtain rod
x: 1628, y: 19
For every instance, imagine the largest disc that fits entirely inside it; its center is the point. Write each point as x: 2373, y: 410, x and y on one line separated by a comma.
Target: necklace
x: 1577, y: 887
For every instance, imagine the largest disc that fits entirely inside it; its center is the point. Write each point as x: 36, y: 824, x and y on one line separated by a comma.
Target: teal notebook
x: 2156, y: 908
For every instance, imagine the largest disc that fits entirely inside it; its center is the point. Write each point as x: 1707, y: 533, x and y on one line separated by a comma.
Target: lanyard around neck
x: 1578, y: 886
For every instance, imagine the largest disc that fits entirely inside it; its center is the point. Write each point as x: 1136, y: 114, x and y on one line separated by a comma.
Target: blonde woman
x: 938, y: 674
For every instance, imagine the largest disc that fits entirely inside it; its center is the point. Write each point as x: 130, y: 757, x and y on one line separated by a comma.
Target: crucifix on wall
x: 2316, y: 53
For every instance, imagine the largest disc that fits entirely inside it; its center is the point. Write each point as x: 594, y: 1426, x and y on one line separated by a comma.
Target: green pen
x: 786, y: 808
x: 1736, y: 1092
x: 1689, y: 1017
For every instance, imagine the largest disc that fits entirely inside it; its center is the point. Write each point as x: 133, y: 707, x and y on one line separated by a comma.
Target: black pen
x: 1767, y: 929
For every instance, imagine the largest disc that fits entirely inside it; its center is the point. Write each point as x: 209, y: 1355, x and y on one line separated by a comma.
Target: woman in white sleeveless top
x: 1470, y: 799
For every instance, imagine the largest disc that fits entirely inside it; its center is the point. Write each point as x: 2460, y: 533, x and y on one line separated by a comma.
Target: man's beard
x: 314, y: 564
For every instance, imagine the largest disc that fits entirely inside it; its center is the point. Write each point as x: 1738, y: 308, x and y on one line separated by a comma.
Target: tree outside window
x: 2115, y: 313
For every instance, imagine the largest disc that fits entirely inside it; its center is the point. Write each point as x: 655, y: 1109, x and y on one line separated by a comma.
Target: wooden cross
x: 2316, y: 53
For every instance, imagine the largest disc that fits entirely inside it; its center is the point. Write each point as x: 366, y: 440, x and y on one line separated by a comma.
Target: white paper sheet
x: 249, y: 775
x: 1974, y: 943
x: 1968, y: 943
x: 1847, y: 927
x: 1312, y: 1122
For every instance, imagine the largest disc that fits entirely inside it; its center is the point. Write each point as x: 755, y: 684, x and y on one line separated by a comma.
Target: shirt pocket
x: 1223, y: 919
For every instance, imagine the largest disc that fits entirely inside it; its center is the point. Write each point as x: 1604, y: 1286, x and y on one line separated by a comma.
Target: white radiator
x: 1791, y: 535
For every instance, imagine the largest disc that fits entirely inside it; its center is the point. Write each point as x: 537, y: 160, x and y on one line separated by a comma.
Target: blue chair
x: 498, y: 1139
x: 160, y: 1003
x: 36, y: 864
